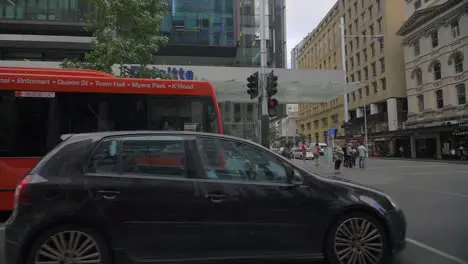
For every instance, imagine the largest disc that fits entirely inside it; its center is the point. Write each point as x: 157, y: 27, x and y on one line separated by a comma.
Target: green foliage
x: 125, y: 32
x: 274, y: 134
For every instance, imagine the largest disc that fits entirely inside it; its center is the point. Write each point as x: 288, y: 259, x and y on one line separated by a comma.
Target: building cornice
x: 444, y: 20
x: 423, y: 16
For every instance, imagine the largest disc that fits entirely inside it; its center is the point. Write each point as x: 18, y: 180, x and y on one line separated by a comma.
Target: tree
x: 124, y: 31
x: 274, y: 135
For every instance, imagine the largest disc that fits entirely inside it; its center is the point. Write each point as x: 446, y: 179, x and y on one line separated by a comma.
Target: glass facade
x: 45, y: 10
x: 201, y: 23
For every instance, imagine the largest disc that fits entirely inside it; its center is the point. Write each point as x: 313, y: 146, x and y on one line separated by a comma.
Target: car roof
x: 102, y: 135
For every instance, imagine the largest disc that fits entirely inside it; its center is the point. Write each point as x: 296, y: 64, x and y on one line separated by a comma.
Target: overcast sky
x: 302, y: 16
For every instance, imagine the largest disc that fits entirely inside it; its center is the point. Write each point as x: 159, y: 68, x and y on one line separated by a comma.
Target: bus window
x: 30, y: 126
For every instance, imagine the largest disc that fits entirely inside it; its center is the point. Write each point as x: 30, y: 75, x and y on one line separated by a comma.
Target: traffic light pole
x: 263, y: 99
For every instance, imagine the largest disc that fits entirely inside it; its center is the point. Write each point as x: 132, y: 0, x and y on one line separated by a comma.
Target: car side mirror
x: 297, y: 179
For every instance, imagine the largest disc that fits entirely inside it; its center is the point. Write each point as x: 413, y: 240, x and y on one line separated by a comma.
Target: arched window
x: 436, y: 69
x: 417, y: 74
x: 457, y: 60
x: 461, y: 93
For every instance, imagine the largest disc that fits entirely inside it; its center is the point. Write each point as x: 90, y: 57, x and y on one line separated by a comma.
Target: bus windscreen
x: 32, y: 122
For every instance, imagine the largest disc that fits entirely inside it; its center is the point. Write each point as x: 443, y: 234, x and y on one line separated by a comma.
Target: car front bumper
x: 397, y: 231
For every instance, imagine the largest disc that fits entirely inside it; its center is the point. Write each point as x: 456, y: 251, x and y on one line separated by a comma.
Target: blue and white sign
x: 332, y: 132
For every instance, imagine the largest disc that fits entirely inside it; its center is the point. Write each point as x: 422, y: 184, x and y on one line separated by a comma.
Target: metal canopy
x: 294, y: 86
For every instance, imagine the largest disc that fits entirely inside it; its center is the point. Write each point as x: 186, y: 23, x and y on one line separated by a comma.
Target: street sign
x: 332, y: 132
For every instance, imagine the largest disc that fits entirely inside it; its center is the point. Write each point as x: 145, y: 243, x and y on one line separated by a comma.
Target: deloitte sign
x: 176, y: 73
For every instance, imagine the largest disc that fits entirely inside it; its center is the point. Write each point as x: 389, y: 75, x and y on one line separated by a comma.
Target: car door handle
x: 108, y: 194
x: 216, y: 198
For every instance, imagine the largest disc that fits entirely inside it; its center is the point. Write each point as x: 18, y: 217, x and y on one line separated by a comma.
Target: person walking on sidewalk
x: 362, y: 156
x: 304, y: 152
x: 339, y: 157
x: 316, y: 153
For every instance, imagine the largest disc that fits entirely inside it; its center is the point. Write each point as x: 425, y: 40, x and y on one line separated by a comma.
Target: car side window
x: 105, y: 158
x: 234, y: 160
x: 158, y: 156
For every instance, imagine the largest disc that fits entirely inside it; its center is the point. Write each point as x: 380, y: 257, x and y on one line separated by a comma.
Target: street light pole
x: 264, y: 119
x: 343, y: 65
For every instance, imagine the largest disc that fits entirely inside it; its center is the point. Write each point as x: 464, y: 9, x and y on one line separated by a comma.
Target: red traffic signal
x: 272, y: 103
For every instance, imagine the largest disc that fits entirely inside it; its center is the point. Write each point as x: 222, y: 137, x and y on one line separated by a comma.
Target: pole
x: 343, y: 65
x: 365, y: 125
x: 264, y: 119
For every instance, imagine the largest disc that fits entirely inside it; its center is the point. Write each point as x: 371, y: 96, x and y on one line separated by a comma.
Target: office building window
x: 461, y: 93
x: 45, y: 10
x: 416, y: 48
x: 417, y: 74
x: 455, y: 27
x: 436, y: 70
x: 374, y: 86
x: 383, y: 84
x: 420, y: 101
x: 434, y: 38
x: 439, y: 99
x: 382, y: 65
x: 457, y: 60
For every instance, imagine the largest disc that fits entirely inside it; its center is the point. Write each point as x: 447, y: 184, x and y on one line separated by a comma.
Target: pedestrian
x: 354, y: 157
x: 316, y: 153
x: 362, y: 156
x: 304, y: 152
x: 338, y: 156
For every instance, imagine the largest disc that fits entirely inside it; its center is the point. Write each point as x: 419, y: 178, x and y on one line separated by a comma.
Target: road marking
x: 460, y: 195
x: 432, y: 172
x: 2, y: 228
x: 436, y: 251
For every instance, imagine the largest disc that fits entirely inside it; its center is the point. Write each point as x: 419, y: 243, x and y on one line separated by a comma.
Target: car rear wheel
x: 70, y: 245
x: 357, y: 238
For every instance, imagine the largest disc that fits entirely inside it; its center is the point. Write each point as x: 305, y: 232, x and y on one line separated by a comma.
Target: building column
x: 438, y: 147
x: 359, y: 112
x: 392, y: 112
x: 374, y: 109
x: 413, y: 147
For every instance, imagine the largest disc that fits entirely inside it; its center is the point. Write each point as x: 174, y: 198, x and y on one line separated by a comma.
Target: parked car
x: 147, y: 197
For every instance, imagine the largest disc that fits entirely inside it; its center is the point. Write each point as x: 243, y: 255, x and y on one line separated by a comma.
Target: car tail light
x: 20, y: 194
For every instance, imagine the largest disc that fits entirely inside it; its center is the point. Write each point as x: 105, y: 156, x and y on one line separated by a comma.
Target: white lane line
x: 436, y: 251
x: 432, y: 172
x: 460, y: 195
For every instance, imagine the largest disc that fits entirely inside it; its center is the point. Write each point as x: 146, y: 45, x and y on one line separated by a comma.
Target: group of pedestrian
x: 348, y: 155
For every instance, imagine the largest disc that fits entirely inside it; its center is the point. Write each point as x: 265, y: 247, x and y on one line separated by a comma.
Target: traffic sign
x: 331, y: 132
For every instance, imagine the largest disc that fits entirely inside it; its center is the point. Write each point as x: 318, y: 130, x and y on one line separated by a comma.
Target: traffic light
x: 253, y: 85
x: 272, y: 84
x: 272, y: 103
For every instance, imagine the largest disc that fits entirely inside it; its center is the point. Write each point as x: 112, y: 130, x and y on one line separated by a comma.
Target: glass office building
x: 201, y: 32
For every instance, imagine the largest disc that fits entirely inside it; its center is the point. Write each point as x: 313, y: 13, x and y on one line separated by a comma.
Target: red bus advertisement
x: 37, y: 106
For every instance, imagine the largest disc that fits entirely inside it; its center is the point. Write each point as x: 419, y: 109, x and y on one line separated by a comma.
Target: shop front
x: 454, y: 144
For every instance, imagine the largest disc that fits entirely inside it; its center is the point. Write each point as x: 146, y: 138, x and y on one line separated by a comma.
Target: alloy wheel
x: 358, y: 241
x: 69, y: 247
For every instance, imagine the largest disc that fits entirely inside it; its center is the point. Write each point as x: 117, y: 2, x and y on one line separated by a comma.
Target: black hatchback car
x: 147, y: 197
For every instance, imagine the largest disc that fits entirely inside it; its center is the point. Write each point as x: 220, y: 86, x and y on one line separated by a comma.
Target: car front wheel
x: 69, y: 245
x: 357, y: 238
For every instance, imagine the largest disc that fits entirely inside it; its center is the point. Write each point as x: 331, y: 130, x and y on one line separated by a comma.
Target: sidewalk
x: 421, y: 160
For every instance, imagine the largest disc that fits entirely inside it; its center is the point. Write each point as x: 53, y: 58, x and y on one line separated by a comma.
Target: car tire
x: 77, y: 237
x: 338, y: 251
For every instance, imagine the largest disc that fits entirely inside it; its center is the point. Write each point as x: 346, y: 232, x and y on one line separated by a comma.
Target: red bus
x: 37, y: 106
